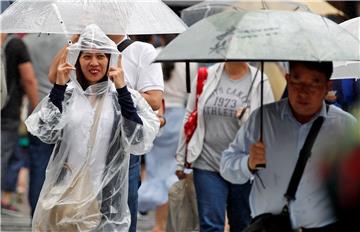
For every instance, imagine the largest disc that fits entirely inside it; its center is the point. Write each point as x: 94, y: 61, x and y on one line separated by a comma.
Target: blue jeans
x: 134, y: 184
x: 39, y: 155
x: 16, y: 162
x: 9, y: 156
x: 215, y: 196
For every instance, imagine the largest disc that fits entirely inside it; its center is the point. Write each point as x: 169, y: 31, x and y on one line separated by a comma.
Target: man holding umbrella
x: 285, y: 147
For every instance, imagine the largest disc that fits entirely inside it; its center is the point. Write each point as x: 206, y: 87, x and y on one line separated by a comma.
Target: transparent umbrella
x: 207, y: 8
x: 72, y: 16
x: 349, y: 69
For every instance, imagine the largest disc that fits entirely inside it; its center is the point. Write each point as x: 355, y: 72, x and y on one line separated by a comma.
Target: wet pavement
x: 21, y: 222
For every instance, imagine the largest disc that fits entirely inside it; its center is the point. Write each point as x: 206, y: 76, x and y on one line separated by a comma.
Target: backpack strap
x: 124, y: 44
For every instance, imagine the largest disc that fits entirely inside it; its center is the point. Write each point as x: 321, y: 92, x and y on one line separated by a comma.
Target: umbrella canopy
x: 262, y: 35
x: 72, y: 16
x: 207, y: 8
x: 348, y: 69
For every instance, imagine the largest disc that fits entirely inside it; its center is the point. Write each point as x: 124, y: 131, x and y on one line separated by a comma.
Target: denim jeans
x: 134, y: 184
x: 9, y: 157
x: 16, y: 162
x: 215, y: 196
x: 39, y: 155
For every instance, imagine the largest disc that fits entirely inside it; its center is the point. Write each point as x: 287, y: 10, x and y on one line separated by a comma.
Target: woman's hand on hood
x: 116, y: 74
x: 63, y: 73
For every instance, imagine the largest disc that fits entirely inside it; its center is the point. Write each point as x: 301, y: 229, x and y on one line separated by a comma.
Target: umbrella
x: 71, y: 17
x: 207, y: 8
x: 262, y: 35
x: 348, y: 69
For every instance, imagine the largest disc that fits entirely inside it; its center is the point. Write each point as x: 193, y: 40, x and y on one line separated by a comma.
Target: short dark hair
x: 325, y: 67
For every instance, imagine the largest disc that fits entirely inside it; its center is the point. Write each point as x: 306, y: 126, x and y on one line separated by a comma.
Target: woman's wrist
x: 119, y: 84
x: 60, y: 82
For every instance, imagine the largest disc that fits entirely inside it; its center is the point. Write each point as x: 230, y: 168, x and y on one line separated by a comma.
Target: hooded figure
x: 95, y: 125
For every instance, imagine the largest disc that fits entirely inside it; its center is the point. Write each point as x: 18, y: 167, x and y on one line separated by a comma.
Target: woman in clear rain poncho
x: 95, y: 126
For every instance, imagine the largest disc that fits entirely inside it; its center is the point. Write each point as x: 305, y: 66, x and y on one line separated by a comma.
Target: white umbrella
x: 263, y: 35
x: 194, y: 13
x: 349, y: 69
x: 71, y: 17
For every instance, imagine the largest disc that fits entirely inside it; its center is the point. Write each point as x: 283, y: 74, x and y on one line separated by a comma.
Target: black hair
x: 80, y: 75
x: 167, y: 67
x: 325, y: 67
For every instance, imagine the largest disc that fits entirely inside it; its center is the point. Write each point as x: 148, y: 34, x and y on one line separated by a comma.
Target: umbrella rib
x: 61, y: 21
x: 310, y: 44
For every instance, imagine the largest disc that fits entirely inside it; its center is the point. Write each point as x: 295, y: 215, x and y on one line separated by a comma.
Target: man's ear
x: 329, y: 85
x: 287, y: 77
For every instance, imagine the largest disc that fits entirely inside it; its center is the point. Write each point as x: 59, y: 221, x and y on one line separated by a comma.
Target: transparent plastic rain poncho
x: 100, y: 167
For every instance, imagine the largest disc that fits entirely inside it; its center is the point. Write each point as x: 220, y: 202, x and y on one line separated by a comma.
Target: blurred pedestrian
x: 20, y: 79
x: 343, y: 182
x: 231, y: 92
x: 3, y: 6
x: 160, y: 161
x: 341, y: 171
x: 344, y: 93
x: 42, y: 49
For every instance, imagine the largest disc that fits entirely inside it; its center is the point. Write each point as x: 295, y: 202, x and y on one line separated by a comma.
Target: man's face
x: 306, y: 89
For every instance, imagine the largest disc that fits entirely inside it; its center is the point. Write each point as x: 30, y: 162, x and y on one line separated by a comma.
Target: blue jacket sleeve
x: 57, y: 95
x: 128, y: 109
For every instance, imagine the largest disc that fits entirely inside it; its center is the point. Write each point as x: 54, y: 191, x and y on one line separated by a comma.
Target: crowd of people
x: 100, y: 105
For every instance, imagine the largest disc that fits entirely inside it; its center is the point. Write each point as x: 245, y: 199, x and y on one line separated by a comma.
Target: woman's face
x: 93, y: 66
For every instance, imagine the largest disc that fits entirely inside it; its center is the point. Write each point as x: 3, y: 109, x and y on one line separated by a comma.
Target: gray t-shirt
x: 221, y: 123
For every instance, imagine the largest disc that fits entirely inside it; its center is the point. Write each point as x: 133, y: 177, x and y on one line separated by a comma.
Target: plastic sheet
x: 86, y: 182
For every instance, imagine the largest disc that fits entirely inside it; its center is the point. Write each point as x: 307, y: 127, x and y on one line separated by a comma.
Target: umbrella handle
x: 188, y: 82
x: 261, y: 166
x: 61, y: 21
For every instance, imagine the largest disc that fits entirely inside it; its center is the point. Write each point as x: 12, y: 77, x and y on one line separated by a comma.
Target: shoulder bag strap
x: 201, y: 78
x: 124, y: 44
x: 304, y: 155
x: 91, y: 142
